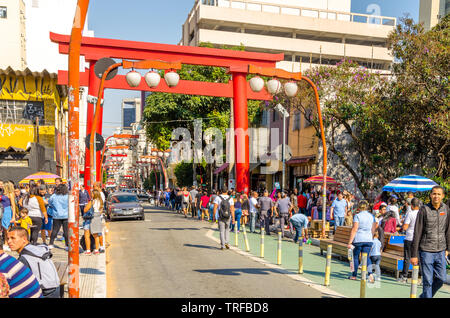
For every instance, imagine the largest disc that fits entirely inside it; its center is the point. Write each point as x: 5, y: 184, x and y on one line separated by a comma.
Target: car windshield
x: 124, y: 198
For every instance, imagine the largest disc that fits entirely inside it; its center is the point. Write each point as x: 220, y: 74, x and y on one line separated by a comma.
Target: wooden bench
x: 339, y: 241
x: 62, y: 269
x: 392, y: 255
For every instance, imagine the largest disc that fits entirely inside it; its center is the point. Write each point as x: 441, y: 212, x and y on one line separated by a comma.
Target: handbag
x: 89, y: 214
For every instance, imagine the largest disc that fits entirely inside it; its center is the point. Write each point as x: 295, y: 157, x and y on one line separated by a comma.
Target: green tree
x: 165, y: 112
x: 392, y: 125
x: 184, y: 174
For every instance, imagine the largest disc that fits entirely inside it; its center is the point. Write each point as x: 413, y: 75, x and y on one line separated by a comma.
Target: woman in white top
x: 37, y: 212
x: 93, y: 225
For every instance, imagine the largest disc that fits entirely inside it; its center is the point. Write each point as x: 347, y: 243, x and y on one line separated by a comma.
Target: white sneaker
x: 51, y: 247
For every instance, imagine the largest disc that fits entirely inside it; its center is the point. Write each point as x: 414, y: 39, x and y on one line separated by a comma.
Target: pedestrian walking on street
x: 224, y: 206
x: 37, y: 259
x: 431, y: 242
x: 283, y: 207
x: 408, y: 226
x: 338, y: 210
x: 266, y: 210
x: 93, y: 225
x: 361, y: 236
x: 254, y: 206
x: 205, y: 205
x: 186, y: 199
x: 193, y: 201
x: 294, y: 200
x: 59, y: 202
x: 245, y: 209
x: 375, y: 259
x: 237, y: 213
x: 212, y: 198
x: 7, y: 199
x: 84, y: 198
x: 46, y: 229
x: 35, y: 205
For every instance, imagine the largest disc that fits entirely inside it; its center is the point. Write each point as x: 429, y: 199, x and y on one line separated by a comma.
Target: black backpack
x: 224, y: 209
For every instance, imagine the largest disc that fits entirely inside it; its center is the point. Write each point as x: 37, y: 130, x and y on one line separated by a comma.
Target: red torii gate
x: 238, y: 88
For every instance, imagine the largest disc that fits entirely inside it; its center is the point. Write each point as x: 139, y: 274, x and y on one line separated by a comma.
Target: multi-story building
x: 432, y: 11
x: 33, y: 107
x: 131, y: 113
x: 309, y: 33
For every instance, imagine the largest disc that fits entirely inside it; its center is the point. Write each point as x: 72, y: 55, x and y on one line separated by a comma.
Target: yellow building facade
x: 33, y: 109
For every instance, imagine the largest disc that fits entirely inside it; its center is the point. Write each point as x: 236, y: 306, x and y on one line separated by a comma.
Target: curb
x: 326, y: 291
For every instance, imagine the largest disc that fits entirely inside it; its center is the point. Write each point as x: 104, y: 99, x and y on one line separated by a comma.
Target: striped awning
x: 413, y: 183
x: 319, y: 180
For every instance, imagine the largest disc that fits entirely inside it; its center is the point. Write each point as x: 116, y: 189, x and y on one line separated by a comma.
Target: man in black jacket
x: 431, y: 242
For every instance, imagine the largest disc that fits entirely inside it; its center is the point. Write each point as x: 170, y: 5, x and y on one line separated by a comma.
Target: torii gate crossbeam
x: 237, y: 62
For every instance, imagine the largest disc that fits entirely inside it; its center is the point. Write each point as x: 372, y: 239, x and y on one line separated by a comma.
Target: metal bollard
x: 414, y: 281
x: 279, y: 249
x: 262, y: 242
x: 247, y: 247
x: 328, y: 265
x: 300, y: 255
x: 236, y: 241
x: 362, y: 291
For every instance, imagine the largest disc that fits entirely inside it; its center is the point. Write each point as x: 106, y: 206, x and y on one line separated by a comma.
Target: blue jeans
x: 362, y: 247
x: 434, y: 272
x: 252, y: 221
x: 298, y: 230
x: 237, y: 217
x: 375, y: 262
x: 338, y: 221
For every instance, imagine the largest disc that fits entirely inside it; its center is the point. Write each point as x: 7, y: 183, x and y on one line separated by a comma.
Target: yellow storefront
x: 32, y: 108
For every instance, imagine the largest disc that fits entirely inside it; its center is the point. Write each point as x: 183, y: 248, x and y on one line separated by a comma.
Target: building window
x: 308, y: 117
x: 297, y: 121
x: 22, y: 112
x: 2, y: 12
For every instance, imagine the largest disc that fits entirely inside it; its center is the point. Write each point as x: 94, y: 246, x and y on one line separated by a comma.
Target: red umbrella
x: 319, y: 180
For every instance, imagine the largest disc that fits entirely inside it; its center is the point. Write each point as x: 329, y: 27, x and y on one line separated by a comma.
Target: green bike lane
x: 314, y: 268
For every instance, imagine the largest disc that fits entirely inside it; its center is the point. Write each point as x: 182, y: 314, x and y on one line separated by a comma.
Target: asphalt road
x: 171, y: 257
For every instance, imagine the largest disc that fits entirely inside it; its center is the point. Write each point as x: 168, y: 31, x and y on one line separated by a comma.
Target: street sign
x: 277, y: 185
x: 231, y: 184
x: 99, y: 141
x: 102, y: 65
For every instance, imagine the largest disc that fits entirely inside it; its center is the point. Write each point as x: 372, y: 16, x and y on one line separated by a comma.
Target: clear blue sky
x: 160, y: 21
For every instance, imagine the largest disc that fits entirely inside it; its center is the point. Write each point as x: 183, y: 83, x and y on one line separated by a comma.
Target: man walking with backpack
x: 38, y: 259
x: 224, y: 204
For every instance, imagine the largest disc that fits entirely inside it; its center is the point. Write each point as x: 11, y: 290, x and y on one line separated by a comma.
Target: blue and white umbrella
x: 411, y: 183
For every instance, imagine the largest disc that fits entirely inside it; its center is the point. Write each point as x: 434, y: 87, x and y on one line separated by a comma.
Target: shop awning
x: 221, y: 168
x: 299, y: 160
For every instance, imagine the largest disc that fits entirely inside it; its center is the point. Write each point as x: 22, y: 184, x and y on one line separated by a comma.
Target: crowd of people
x: 38, y: 210
x: 371, y: 222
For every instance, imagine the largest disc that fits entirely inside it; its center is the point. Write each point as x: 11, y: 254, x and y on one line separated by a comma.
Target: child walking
x: 375, y: 258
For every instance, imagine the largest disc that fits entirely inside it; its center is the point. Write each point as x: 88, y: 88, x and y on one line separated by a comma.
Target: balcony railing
x: 254, y: 5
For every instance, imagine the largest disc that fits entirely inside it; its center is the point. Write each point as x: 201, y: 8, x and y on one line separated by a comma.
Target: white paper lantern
x: 119, y: 142
x: 152, y: 79
x: 256, y: 84
x: 133, y: 78
x: 291, y: 89
x: 126, y: 142
x: 172, y: 79
x: 160, y: 153
x: 274, y: 86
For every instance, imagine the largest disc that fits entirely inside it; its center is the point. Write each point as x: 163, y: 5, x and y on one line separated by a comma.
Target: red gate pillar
x: 94, y: 83
x: 241, y: 132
